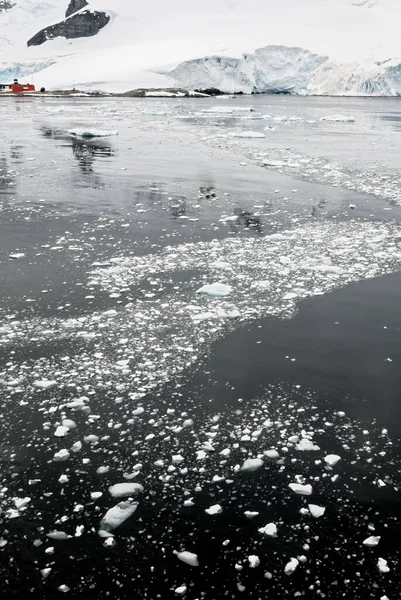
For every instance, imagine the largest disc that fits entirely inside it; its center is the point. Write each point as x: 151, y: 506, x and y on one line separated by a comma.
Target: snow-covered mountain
x: 297, y: 46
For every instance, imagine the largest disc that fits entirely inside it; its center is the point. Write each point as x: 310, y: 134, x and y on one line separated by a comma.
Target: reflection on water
x: 85, y: 151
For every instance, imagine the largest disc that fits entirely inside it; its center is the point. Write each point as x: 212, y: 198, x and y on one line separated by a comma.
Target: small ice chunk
x: 216, y: 289
x: 272, y: 454
x: 21, y: 502
x: 45, y: 572
x: 316, y: 511
x: 58, y: 535
x: 302, y: 490
x: 180, y: 591
x: 120, y: 490
x: 189, y: 558
x: 86, y: 132
x: 61, y: 431
x: 254, y: 561
x: 270, y: 530
x: 306, y: 445
x: 371, y: 541
x: 214, y: 510
x: 383, y: 566
x: 76, y: 447
x: 45, y: 384
x: 250, y: 514
x: 69, y: 423
x: 117, y: 515
x: 332, y: 459
x: 138, y: 411
x: 61, y: 455
x: 252, y: 464
x: 63, y: 588
x: 16, y: 255
x: 96, y: 495
x: 102, y: 470
x: 291, y: 566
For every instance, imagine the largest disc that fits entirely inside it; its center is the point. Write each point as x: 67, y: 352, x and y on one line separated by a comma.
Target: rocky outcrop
x: 5, y: 5
x: 74, y: 6
x: 83, y: 24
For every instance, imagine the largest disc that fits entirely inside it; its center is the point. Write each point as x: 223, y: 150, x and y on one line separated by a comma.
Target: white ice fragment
x: 302, y: 490
x: 254, y: 561
x: 272, y: 454
x: 121, y: 490
x: 338, y: 119
x: 252, y: 464
x: 214, y: 510
x: 270, y: 530
x: 61, y: 431
x: 189, y: 558
x: 371, y: 541
x: 45, y: 384
x: 332, y: 459
x: 102, y: 470
x: 16, y: 255
x: 85, y: 132
x: 96, y: 495
x: 45, y: 572
x: 180, y: 591
x: 306, y: 445
x: 117, y: 515
x: 177, y: 459
x: 208, y: 447
x: 58, y: 535
x: 291, y: 566
x: 383, y: 566
x: 248, y: 134
x: 76, y: 447
x: 21, y: 502
x: 250, y: 514
x: 63, y: 588
x: 316, y: 511
x: 216, y: 289
x: 69, y: 423
x: 138, y: 411
x: 61, y: 455
x: 91, y: 439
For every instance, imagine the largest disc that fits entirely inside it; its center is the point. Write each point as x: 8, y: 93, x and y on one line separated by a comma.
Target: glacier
x: 313, y: 47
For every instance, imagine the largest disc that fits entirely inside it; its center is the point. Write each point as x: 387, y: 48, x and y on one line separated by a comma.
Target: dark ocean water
x: 83, y: 224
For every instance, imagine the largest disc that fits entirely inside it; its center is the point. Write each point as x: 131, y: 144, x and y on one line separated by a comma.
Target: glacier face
x: 331, y: 47
x: 282, y: 69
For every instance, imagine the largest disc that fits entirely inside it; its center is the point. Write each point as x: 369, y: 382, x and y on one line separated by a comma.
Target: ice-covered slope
x: 308, y: 46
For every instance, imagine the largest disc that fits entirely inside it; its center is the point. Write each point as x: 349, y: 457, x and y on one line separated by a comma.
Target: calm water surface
x: 109, y: 355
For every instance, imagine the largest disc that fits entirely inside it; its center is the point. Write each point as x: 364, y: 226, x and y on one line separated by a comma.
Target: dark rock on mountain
x: 74, y: 6
x: 84, y: 24
x: 6, y: 5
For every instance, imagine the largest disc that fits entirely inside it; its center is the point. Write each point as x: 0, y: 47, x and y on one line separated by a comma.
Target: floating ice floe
x: 338, y: 119
x: 383, y: 566
x: 121, y: 490
x: 306, y: 445
x: 332, y: 459
x: 270, y: 530
x: 189, y: 558
x: 316, y: 511
x: 372, y: 541
x: 291, y: 566
x: 117, y: 515
x: 90, y: 133
x: 214, y: 510
x: 302, y: 490
x: 254, y: 561
x: 248, y: 134
x: 216, y: 289
x: 16, y: 255
x: 252, y: 464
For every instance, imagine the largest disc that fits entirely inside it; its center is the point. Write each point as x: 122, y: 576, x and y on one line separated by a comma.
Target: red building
x: 16, y: 88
